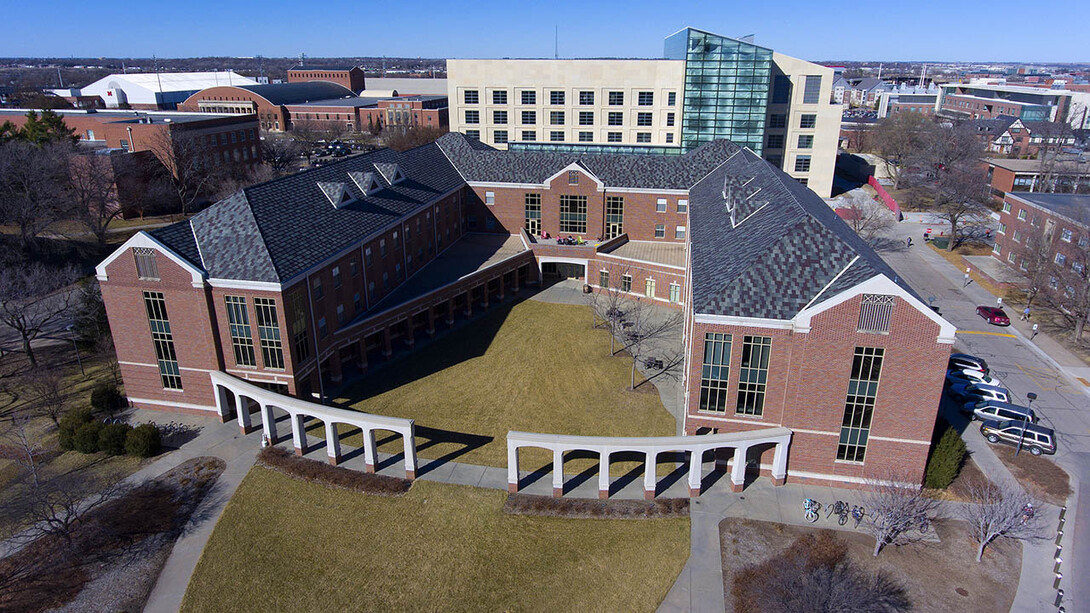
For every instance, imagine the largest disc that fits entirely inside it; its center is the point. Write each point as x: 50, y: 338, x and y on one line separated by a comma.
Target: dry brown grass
x: 1041, y: 477
x: 956, y: 257
x: 313, y: 471
x: 524, y: 504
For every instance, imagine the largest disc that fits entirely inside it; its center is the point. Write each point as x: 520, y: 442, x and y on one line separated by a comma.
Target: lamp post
x: 1025, y: 421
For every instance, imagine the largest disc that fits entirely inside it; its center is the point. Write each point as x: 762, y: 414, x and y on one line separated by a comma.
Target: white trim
x: 621, y: 257
x: 242, y: 284
x: 821, y: 432
x: 143, y: 239
x: 179, y: 405
x: 711, y: 416
x: 575, y: 166
x: 502, y: 185
x: 830, y: 283
x: 646, y: 190
x: 845, y: 478
x: 888, y: 439
x: 758, y: 210
x: 748, y: 322
x: 156, y: 366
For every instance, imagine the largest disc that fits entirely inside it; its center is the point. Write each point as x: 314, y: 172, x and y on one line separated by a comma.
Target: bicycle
x: 811, y: 510
x: 840, y: 509
x: 857, y: 515
x: 923, y: 522
x: 1027, y: 512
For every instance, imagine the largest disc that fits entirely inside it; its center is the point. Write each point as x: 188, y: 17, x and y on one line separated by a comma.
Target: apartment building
x: 706, y: 87
x: 983, y: 100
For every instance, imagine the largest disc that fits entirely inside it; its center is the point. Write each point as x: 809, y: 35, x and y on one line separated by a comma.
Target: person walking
x: 1025, y: 313
x: 909, y: 243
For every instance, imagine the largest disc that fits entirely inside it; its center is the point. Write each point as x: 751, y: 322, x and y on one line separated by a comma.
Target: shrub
x: 314, y: 471
x: 86, y: 437
x: 112, y: 437
x: 946, y: 458
x: 143, y: 441
x: 68, y: 425
x: 105, y: 397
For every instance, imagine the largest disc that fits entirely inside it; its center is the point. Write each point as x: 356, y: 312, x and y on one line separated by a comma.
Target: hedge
x: 112, y: 438
x: 86, y: 437
x: 105, y: 397
x: 946, y: 458
x: 70, y: 422
x: 143, y: 441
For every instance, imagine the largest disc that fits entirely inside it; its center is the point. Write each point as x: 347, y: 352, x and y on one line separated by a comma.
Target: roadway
x: 1042, y: 366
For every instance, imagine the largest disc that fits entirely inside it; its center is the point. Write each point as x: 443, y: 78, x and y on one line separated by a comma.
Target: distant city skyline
x: 921, y: 31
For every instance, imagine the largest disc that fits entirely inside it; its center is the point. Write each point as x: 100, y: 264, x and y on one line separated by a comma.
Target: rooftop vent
x: 336, y: 192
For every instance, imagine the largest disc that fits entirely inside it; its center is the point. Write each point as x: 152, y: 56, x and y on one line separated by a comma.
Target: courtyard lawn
x: 288, y: 545
x: 533, y: 366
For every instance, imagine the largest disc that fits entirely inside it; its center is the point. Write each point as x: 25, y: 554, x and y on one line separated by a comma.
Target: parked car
x: 999, y: 411
x: 971, y: 376
x: 994, y: 315
x: 964, y: 360
x: 1036, y: 439
x: 969, y: 391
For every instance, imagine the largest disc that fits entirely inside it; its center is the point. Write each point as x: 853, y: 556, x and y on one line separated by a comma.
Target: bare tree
x: 403, y: 139
x: 1002, y: 510
x: 229, y: 184
x: 48, y: 392
x: 867, y: 216
x: 647, y: 333
x: 897, y: 510
x: 190, y: 160
x: 309, y: 133
x: 280, y: 152
x: 959, y: 196
x: 32, y: 187
x: 1058, y: 171
x: 33, y: 298
x: 93, y: 192
x: 901, y: 139
x: 609, y: 309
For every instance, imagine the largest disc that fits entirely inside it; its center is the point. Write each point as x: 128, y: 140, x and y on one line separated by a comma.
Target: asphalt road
x: 1020, y: 364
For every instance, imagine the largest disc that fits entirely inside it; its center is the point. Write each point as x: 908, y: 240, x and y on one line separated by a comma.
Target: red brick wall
x: 640, y: 272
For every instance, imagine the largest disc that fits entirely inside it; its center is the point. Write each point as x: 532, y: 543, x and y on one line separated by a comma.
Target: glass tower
x: 726, y: 88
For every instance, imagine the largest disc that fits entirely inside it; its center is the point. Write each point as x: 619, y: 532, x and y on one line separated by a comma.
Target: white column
x: 369, y: 451
x: 409, y: 437
x: 299, y: 433
x: 221, y: 401
x: 268, y: 422
x: 603, y: 474
x: 332, y: 443
x: 650, y: 478
x: 696, y: 466
x: 779, y: 460
x: 242, y: 407
x: 738, y: 469
x: 512, y: 467
x: 558, y: 473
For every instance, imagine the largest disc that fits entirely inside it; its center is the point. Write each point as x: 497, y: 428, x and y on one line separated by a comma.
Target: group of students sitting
x: 565, y: 240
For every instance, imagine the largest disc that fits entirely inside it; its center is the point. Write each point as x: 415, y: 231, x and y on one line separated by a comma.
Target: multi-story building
x: 1047, y: 238
x: 149, y: 91
x: 1065, y: 173
x: 706, y: 87
x: 790, y: 319
x: 984, y: 100
x: 907, y: 100
x: 350, y: 77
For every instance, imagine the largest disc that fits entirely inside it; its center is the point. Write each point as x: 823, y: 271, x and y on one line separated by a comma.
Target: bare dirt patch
x: 314, y: 471
x: 941, y: 576
x: 523, y: 504
x: 1041, y: 477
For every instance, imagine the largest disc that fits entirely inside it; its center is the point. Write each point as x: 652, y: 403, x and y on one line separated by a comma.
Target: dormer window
x: 336, y: 192
x: 367, y: 182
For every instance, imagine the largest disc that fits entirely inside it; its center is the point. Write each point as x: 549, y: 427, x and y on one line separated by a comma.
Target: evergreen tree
x: 47, y: 128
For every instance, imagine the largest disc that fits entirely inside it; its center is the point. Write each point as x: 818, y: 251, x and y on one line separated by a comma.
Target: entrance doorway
x: 562, y: 270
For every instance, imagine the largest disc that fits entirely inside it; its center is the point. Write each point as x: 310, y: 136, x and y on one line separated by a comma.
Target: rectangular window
x: 682, y: 206
x: 1021, y: 214
x: 163, y: 340
x: 147, y: 269
x: 556, y: 97
x: 336, y: 276
x: 626, y: 283
x: 996, y: 249
x: 777, y: 120
x: 649, y: 289
x: 643, y: 119
x: 1060, y: 260
x: 812, y: 90
x: 473, y: 116
x: 603, y: 278
x: 615, y: 118
x: 368, y: 257
x: 670, y: 137
x: 859, y: 405
x: 573, y: 177
x: 499, y: 97
x: 499, y: 117
x: 645, y: 98
x: 660, y: 230
x: 354, y: 267
x: 500, y: 136
x: 340, y: 314
x: 268, y: 328
x: 586, y: 137
x: 586, y: 118
x: 556, y: 136
x: 616, y: 98
x: 573, y: 214
x: 298, y: 314
x: 1002, y: 228
x: 471, y: 96
x: 802, y: 163
x: 323, y: 330
x: 529, y: 135
x: 781, y: 89
x: 614, y: 216
x: 753, y: 375
x: 643, y: 137
x: 671, y: 98
x: 669, y: 120
x: 660, y: 205
x: 806, y: 141
x: 529, y: 97
x: 357, y: 302
x: 1066, y: 235
x: 807, y: 121
x: 586, y: 98
x: 715, y: 372
x: 775, y: 141
x: 317, y: 285
x: 474, y: 134
x: 613, y: 137
x: 1006, y: 207
x: 490, y: 198
x: 675, y: 293
x: 875, y: 313
x: 533, y: 213
x: 556, y: 118
x: 238, y: 322
x: 529, y: 118
x: 679, y: 233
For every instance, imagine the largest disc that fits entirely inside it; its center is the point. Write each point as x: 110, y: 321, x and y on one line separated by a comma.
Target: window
x: 298, y: 313
x: 319, y: 293
x: 996, y: 249
x: 660, y: 230
x: 474, y: 134
x: 1017, y: 236
x: 268, y: 329
x: 1084, y: 241
x: 670, y: 137
x: 354, y: 267
x: 368, y: 258
x: 147, y: 269
x: 371, y: 290
x: 573, y: 177
x: 1006, y: 207
x: 616, y: 98
x: 875, y: 313
x: 1021, y: 214
x: 529, y: 135
x: 807, y: 121
x: 471, y: 96
x: 586, y: 118
x: 556, y: 118
x: 573, y: 214
x: 586, y: 137
x: 340, y: 314
x: 714, y: 372
x: 586, y: 98
x: 323, y: 330
x: 777, y: 120
x: 1053, y: 283
x: 645, y: 98
x: 613, y: 137
x: 802, y: 163
x: 615, y: 119
x: 238, y: 322
x: 859, y: 405
x: 1002, y: 228
x: 603, y: 278
x: 649, y: 289
x: 669, y: 120
x: 614, y: 216
x: 1010, y: 258
x: 781, y: 89
x: 753, y: 375
x: 556, y: 97
x: 806, y: 141
x: 1066, y: 235
x: 675, y: 293
x: 679, y: 232
x: 1060, y: 259
x: 682, y: 206
x: 529, y: 97
x: 529, y: 117
x: 473, y: 116
x: 163, y: 340
x: 357, y: 302
x: 775, y: 141
x: 556, y: 136
x: 490, y: 198
x: 499, y: 117
x: 626, y: 283
x: 500, y: 136
x: 643, y: 119
x: 336, y: 276
x: 643, y: 137
x: 671, y: 99
x: 499, y: 96
x: 660, y: 205
x: 532, y: 213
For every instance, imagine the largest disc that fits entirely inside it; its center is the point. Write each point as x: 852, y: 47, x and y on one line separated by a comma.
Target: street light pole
x: 79, y: 361
x: 1025, y: 421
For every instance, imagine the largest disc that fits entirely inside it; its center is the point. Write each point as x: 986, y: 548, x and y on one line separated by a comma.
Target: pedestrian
x: 1025, y: 313
x: 909, y: 244
x: 1034, y: 332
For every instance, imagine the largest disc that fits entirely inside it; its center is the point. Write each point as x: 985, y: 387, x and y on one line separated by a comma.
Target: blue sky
x: 952, y: 30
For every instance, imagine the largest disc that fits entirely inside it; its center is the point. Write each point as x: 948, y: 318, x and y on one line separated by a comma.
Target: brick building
x: 1047, y: 238
x: 350, y: 77
x: 1065, y: 174
x: 790, y: 319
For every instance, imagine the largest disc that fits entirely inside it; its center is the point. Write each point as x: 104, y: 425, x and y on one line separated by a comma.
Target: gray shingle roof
x: 294, y: 93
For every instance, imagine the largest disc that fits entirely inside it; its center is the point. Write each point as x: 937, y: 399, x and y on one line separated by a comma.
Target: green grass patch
x: 288, y: 545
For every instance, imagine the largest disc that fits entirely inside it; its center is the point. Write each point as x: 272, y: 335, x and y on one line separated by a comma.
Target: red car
x: 994, y: 315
